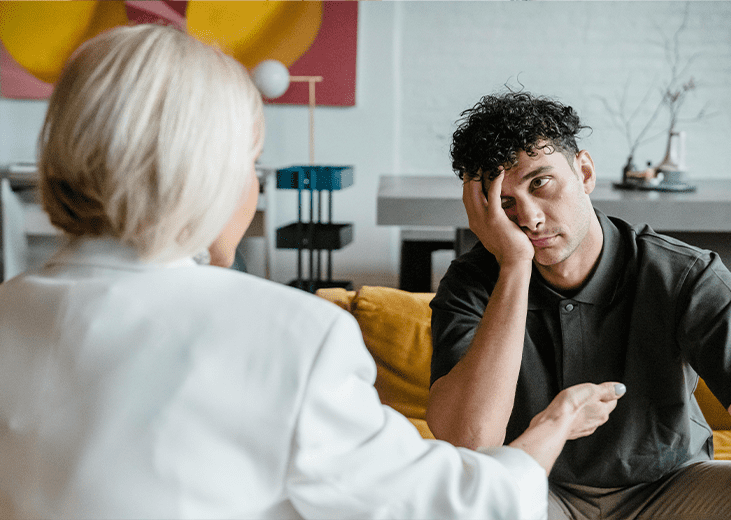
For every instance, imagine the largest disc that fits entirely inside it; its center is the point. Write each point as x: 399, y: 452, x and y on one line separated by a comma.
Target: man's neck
x: 572, y: 273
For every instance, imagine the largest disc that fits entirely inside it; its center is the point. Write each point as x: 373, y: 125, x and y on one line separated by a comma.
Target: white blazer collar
x: 110, y: 253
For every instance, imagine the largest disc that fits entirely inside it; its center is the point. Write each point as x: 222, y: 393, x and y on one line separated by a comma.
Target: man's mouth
x: 542, y: 241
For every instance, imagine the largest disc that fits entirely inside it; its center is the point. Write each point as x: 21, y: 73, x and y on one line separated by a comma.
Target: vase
x: 673, y: 165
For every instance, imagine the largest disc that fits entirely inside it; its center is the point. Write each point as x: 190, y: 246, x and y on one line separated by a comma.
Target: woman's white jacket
x: 131, y: 390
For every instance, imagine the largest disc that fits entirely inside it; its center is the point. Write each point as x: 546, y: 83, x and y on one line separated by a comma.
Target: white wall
x: 20, y: 124
x: 421, y: 63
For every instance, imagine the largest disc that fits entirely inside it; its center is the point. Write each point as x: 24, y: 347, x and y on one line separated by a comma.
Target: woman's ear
x: 223, y: 249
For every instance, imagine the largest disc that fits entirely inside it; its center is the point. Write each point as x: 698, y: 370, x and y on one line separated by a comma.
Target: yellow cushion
x: 396, y: 328
x: 422, y: 427
x: 717, y: 416
x: 722, y: 444
x: 339, y: 296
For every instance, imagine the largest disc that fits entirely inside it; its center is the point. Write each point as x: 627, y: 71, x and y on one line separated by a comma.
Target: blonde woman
x: 135, y: 383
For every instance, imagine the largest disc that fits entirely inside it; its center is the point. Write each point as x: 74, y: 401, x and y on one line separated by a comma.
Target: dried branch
x: 625, y: 123
x: 673, y: 93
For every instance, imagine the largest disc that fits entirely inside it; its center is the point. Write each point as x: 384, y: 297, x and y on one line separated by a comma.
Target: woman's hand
x: 487, y: 219
x: 582, y: 408
x: 575, y: 412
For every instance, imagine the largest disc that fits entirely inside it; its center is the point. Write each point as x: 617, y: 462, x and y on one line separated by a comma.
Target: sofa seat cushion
x: 722, y: 444
x: 396, y: 328
x: 717, y: 416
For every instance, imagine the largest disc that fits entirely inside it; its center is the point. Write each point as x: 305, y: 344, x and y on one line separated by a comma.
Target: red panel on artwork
x: 167, y: 13
x: 332, y: 56
x: 15, y: 82
x: 178, y: 6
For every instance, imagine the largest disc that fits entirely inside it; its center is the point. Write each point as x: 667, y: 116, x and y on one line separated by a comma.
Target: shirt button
x: 569, y: 307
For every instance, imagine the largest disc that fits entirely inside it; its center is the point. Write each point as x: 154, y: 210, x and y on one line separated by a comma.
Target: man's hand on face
x: 487, y: 219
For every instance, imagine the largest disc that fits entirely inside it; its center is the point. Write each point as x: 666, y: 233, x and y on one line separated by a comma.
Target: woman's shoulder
x: 253, y: 298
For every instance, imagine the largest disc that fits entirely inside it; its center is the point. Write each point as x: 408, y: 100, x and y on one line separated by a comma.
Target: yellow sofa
x: 396, y: 328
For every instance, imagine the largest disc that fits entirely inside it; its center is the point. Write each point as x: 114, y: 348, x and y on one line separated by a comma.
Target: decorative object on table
x: 666, y: 176
x: 670, y: 173
x: 315, y: 236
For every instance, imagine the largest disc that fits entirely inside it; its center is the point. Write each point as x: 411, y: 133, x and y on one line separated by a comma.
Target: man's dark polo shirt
x: 654, y: 314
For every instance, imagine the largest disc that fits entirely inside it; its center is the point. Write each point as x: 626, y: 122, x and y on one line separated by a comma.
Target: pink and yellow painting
x: 309, y: 38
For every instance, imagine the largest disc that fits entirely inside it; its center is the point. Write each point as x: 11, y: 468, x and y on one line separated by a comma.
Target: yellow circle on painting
x: 41, y: 36
x: 255, y: 31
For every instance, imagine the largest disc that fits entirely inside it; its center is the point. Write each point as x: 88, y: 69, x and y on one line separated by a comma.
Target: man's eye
x: 539, y: 182
x: 506, y: 203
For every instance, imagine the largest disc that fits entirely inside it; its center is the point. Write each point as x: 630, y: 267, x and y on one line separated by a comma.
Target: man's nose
x: 529, y: 216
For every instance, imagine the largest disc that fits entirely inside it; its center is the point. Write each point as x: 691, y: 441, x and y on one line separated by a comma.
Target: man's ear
x: 584, y: 166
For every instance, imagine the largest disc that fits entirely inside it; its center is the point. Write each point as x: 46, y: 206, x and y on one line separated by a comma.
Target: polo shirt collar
x: 600, y: 288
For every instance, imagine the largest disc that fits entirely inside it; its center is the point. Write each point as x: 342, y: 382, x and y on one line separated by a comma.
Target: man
x: 556, y: 294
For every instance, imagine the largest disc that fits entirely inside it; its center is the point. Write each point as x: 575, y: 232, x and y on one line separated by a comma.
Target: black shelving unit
x: 315, y: 236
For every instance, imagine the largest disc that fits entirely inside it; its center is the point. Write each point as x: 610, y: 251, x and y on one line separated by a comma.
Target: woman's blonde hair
x: 150, y: 136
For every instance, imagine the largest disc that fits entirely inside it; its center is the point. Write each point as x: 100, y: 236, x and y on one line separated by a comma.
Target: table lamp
x: 272, y: 79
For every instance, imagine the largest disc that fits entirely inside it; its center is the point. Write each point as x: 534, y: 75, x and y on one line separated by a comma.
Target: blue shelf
x: 316, y: 178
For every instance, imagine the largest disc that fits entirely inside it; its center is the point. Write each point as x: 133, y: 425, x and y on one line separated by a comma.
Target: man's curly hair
x: 498, y: 127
